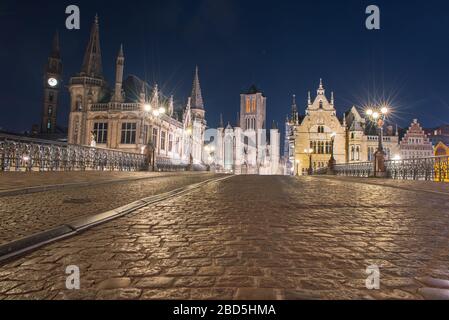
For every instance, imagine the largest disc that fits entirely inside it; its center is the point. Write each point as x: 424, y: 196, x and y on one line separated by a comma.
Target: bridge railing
x: 27, y: 154
x: 430, y: 169
x: 358, y: 169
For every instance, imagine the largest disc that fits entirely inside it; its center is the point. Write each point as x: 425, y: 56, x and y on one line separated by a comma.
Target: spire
x: 120, y: 53
x: 120, y: 63
x: 143, y: 94
x: 55, y: 51
x: 294, y: 110
x: 309, y: 98
x: 197, y: 97
x: 171, y: 107
x: 332, y: 98
x: 320, y: 90
x: 92, y: 65
x: 274, y: 125
x: 155, y: 97
x: 221, y: 124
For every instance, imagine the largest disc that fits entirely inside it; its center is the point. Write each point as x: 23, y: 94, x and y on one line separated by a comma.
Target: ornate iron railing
x: 430, y: 169
x: 26, y: 154
x: 433, y: 169
x: 357, y: 169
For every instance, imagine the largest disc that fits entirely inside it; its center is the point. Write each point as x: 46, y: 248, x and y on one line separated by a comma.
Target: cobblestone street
x: 248, y: 237
x: 25, y: 214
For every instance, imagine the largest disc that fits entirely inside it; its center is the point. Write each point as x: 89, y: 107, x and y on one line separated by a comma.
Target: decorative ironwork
x: 433, y: 169
x: 428, y: 169
x: 26, y: 154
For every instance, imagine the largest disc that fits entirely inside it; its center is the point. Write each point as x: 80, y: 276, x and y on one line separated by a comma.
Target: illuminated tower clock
x: 52, y: 85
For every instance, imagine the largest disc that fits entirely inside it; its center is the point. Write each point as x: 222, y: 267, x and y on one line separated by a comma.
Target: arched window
x: 352, y: 153
x: 321, y: 104
x: 357, y: 154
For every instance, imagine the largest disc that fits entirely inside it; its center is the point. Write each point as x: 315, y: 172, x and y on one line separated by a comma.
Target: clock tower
x: 52, y: 85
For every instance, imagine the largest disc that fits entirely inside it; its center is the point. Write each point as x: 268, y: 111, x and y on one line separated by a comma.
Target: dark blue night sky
x: 284, y: 47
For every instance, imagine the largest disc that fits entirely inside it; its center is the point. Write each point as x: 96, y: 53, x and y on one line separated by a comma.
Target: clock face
x: 52, y: 82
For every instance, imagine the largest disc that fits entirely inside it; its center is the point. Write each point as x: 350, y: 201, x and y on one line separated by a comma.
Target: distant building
x: 314, y: 132
x: 440, y: 134
x: 245, y: 148
x: 415, y: 143
x: 363, y: 138
x: 356, y: 139
x: 48, y: 129
x: 440, y: 167
x: 133, y: 115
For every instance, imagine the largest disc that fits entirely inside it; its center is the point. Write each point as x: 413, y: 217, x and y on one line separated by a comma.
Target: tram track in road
x: 17, y: 248
x: 52, y: 187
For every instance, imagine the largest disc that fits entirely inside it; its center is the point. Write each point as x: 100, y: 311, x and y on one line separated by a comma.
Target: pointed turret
x: 155, y: 97
x: 119, y: 66
x: 143, y: 93
x: 92, y: 65
x: 294, y: 115
x: 221, y: 124
x: 320, y: 90
x: 197, y: 97
x: 171, y: 106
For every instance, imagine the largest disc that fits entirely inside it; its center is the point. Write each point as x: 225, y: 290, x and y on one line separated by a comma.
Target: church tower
x: 197, y: 103
x: 89, y: 87
x: 253, y: 106
x: 52, y: 85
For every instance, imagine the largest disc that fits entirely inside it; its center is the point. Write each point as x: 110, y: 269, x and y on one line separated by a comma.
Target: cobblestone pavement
x: 24, y: 215
x: 251, y: 237
x: 18, y: 180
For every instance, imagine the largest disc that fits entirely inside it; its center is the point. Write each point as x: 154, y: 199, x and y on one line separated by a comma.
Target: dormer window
x: 321, y: 104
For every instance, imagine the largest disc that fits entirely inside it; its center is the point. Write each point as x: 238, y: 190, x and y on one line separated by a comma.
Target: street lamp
x: 378, y: 116
x: 309, y: 152
x: 152, y: 115
x: 332, y: 161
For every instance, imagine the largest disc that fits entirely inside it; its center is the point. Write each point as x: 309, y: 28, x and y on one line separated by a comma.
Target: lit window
x: 101, y: 132
x: 163, y: 140
x: 128, y: 133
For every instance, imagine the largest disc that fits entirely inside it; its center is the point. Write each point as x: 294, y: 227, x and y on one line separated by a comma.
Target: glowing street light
x: 147, y: 107
x: 378, y: 115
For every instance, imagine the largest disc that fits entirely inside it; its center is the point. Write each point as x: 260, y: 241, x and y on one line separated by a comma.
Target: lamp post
x: 378, y: 116
x: 189, y: 132
x: 309, y: 152
x: 297, y: 167
x: 152, y: 114
x: 332, y: 161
